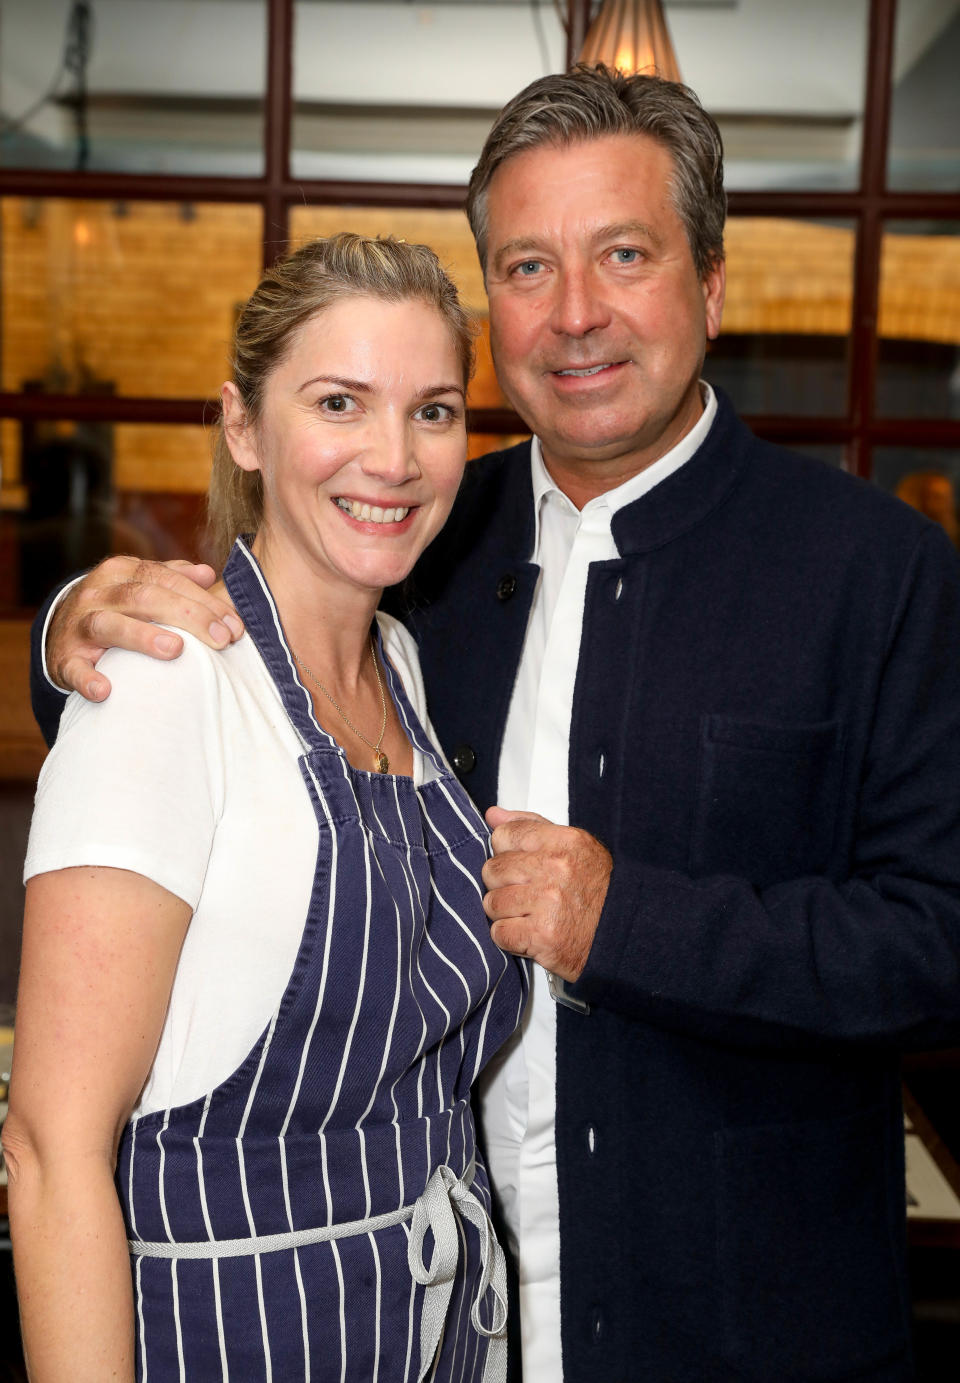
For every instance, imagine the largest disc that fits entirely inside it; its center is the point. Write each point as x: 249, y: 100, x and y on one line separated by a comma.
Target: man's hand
x: 547, y: 885
x: 119, y: 604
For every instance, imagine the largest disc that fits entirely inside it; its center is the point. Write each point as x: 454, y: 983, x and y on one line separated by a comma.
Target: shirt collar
x: 640, y: 484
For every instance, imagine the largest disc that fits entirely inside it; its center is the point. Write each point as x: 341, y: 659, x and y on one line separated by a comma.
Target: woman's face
x: 361, y: 441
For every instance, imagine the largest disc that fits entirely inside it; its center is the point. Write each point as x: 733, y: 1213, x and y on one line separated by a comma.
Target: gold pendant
x: 381, y: 764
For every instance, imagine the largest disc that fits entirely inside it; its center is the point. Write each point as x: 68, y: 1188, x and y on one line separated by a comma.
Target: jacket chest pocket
x: 767, y: 799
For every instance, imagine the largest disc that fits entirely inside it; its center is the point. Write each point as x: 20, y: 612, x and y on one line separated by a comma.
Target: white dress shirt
x: 518, y: 1089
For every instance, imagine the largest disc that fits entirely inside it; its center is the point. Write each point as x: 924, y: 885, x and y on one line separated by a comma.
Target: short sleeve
x: 137, y: 781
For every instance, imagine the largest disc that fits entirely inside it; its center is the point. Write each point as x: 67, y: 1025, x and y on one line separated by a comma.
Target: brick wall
x: 135, y: 299
x: 141, y: 295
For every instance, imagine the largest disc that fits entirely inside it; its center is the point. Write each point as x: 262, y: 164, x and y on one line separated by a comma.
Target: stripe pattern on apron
x: 353, y: 1106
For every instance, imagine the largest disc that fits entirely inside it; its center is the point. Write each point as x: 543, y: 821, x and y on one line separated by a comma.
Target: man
x: 723, y: 684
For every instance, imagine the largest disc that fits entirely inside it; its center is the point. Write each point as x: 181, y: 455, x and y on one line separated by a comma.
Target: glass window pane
x: 401, y: 92
x: 22, y: 752
x: 783, y: 347
x: 924, y: 153
x: 150, y: 88
x: 448, y: 233
x: 75, y: 492
x: 785, y: 83
x: 124, y: 298
x: 394, y: 92
x: 833, y: 453
x: 918, y: 365
x: 926, y: 478
x: 479, y: 443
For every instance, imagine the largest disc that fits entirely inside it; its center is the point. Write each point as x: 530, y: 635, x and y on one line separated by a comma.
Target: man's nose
x: 579, y: 307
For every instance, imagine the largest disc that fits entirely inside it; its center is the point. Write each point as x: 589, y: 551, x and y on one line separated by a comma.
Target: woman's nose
x: 392, y: 456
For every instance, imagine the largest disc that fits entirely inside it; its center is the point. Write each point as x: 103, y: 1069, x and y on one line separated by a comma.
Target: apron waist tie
x: 445, y: 1197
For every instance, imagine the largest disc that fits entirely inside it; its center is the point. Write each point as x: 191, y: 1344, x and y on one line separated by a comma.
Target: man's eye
x: 528, y: 267
x: 626, y: 256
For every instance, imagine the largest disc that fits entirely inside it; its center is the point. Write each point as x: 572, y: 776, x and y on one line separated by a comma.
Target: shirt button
x: 463, y: 759
x: 506, y: 586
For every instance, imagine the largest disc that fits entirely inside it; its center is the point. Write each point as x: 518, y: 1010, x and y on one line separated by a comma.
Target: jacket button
x: 591, y: 1139
x: 463, y: 759
x: 596, y: 1325
x: 506, y: 586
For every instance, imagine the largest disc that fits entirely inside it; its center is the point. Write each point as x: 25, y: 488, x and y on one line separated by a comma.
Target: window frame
x: 868, y: 207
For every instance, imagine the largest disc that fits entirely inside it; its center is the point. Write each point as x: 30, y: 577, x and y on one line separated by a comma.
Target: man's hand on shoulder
x: 119, y: 604
x: 547, y: 886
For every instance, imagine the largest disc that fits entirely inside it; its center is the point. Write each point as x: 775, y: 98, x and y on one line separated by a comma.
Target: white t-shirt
x: 188, y: 774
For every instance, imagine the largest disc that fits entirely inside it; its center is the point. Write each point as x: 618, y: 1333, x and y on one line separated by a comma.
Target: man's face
x: 598, y: 319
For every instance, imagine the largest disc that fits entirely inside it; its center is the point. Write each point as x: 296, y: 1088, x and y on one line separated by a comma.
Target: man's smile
x: 581, y: 372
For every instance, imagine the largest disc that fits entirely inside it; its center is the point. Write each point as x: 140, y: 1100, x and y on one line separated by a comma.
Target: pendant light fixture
x: 631, y: 35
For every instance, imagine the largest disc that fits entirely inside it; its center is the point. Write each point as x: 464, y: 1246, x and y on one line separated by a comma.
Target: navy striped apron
x: 322, y: 1214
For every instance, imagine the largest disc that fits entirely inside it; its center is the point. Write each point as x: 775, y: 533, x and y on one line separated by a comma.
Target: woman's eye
x: 434, y: 413
x: 338, y: 403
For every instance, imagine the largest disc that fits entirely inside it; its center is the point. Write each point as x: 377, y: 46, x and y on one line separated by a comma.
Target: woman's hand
x: 100, y: 950
x: 119, y: 604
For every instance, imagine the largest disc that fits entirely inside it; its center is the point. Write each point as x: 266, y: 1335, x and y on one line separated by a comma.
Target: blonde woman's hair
x: 292, y: 292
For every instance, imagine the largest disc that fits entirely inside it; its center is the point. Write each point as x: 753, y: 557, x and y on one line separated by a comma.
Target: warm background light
x: 631, y: 35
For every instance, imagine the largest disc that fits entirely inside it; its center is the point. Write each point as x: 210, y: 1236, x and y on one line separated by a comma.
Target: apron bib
x: 323, y: 1213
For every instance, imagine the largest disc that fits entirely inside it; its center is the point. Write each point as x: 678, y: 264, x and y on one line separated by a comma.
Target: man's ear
x: 714, y: 288
x: 240, y: 436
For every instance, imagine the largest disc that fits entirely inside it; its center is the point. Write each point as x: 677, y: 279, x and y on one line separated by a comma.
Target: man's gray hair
x: 591, y: 102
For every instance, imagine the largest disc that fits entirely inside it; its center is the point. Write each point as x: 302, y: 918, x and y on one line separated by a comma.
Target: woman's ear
x: 240, y: 436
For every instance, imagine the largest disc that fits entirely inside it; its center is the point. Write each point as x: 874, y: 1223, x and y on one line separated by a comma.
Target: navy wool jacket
x: 766, y: 735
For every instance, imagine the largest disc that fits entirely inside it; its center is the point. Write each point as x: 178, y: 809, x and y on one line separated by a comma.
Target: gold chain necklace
x: 381, y: 764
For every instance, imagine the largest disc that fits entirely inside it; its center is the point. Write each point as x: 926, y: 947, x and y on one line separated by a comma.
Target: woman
x: 257, y: 981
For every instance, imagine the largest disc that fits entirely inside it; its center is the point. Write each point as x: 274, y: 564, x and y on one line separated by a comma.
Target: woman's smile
x: 371, y: 512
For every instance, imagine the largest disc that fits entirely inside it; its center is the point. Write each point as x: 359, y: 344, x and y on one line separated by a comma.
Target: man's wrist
x: 55, y: 606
